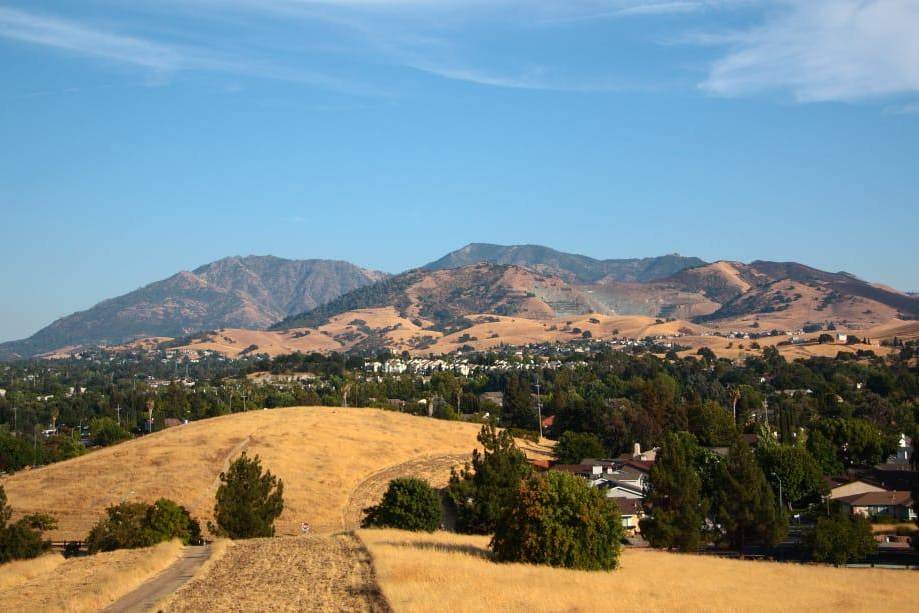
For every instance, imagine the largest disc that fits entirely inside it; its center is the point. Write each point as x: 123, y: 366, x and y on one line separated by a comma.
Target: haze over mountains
x: 451, y: 294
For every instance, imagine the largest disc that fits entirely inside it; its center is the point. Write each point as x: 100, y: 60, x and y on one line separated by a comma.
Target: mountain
x: 571, y: 267
x: 245, y: 292
x: 442, y: 299
x: 772, y: 294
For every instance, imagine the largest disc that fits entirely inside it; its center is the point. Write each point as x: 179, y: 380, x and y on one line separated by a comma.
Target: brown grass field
x: 304, y: 573
x: 322, y: 455
x: 81, y: 584
x: 448, y: 572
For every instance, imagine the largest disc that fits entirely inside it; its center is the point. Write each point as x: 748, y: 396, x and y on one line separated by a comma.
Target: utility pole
x: 538, y: 406
x: 118, y: 413
x: 780, y: 489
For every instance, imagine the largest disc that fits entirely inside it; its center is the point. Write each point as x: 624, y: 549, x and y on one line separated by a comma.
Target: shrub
x: 408, y: 504
x: 248, y: 500
x: 841, y: 538
x: 105, y: 431
x: 22, y: 540
x: 129, y: 525
x: 557, y: 519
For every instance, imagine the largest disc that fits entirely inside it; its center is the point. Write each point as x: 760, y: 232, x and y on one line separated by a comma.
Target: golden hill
x: 322, y: 454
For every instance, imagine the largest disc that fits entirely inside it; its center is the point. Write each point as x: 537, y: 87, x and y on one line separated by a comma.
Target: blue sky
x: 142, y: 138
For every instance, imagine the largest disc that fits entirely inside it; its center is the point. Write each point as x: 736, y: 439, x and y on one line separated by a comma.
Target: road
x: 145, y: 596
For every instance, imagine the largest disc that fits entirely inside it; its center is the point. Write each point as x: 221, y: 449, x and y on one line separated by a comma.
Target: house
x: 884, y: 504
x: 637, y: 454
x: 631, y: 512
x: 841, y: 338
x: 840, y: 487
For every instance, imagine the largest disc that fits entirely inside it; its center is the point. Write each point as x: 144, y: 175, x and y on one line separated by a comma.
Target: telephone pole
x: 538, y: 406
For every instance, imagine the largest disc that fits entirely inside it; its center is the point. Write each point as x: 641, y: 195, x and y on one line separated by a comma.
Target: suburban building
x: 884, y: 504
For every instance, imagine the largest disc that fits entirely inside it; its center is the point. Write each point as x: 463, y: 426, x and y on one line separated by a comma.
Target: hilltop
x: 570, y: 266
x: 324, y: 455
x: 244, y: 292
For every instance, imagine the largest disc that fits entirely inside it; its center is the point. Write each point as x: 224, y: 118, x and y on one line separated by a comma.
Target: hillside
x: 411, y: 569
x: 322, y: 454
x: 244, y: 292
x: 447, y: 297
x: 571, y: 267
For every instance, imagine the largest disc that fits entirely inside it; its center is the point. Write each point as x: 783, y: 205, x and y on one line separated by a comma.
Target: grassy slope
x: 83, y: 584
x: 322, y: 454
x: 421, y: 572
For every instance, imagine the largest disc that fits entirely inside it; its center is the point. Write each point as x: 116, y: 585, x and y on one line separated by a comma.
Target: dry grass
x: 21, y: 571
x: 89, y: 583
x: 322, y: 454
x: 308, y: 573
x: 421, y: 572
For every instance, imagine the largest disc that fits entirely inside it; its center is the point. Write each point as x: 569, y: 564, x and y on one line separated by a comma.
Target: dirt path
x: 436, y: 469
x: 294, y: 573
x: 163, y: 584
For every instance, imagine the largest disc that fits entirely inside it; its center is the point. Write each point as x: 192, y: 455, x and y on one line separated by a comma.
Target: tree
x: 22, y: 539
x: 482, y: 490
x: 745, y: 509
x: 15, y: 452
x: 517, y: 410
x: 795, y: 468
x: 248, y: 500
x: 573, y: 447
x: 841, y: 538
x: 674, y: 507
x: 711, y: 423
x: 557, y: 519
x: 130, y: 525
x: 408, y: 504
x: 105, y: 431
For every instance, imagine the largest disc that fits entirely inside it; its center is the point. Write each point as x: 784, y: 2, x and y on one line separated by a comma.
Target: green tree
x: 674, y: 507
x: 482, y: 490
x: 22, y: 539
x: 795, y: 468
x: 746, y: 510
x: 129, y: 525
x: 517, y: 410
x: 841, y: 538
x: 557, y: 519
x: 248, y: 500
x: 105, y: 431
x: 408, y: 504
x: 822, y: 450
x: 711, y: 423
x: 573, y: 447
x: 15, y: 452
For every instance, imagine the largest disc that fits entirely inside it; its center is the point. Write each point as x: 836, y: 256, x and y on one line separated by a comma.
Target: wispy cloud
x: 823, y: 50
x: 159, y: 58
x: 69, y: 36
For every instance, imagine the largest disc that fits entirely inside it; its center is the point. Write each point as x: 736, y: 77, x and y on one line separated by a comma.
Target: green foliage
x: 15, y: 452
x: 796, y: 468
x: 481, y: 491
x: 518, y: 411
x: 408, y: 504
x: 63, y: 447
x: 745, y: 507
x: 573, y: 447
x: 855, y: 441
x: 824, y: 453
x: 841, y: 538
x: 674, y: 507
x: 711, y: 423
x: 557, y: 519
x: 129, y: 525
x: 22, y: 539
x: 248, y: 500
x: 105, y: 431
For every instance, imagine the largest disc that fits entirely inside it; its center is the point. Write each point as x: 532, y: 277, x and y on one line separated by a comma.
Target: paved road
x: 144, y: 597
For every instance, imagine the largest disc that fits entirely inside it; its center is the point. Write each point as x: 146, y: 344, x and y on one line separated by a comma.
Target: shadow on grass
x: 471, y: 550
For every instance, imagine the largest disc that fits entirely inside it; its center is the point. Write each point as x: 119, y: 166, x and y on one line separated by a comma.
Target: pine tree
x: 745, y: 507
x: 482, y: 491
x: 674, y: 508
x: 248, y: 501
x: 518, y: 409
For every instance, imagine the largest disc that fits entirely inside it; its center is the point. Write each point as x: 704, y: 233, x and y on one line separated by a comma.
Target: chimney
x: 636, y: 450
